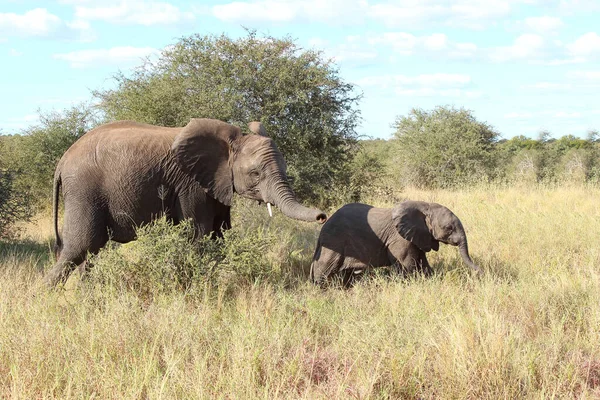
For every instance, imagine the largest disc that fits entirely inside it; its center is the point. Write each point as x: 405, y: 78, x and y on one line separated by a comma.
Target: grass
x: 529, y: 328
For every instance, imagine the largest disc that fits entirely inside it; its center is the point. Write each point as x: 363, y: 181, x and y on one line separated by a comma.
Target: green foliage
x: 14, y: 205
x: 33, y: 155
x: 448, y: 147
x: 443, y: 148
x: 369, y: 177
x: 299, y: 96
x: 567, y: 159
x: 165, y: 259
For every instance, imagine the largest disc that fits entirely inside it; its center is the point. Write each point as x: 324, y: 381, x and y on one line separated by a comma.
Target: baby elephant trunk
x: 463, y: 248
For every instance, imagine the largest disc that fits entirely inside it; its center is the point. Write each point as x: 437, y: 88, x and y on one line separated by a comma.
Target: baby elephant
x: 358, y: 236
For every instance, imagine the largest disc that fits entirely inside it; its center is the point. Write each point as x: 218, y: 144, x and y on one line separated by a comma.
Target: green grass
x: 529, y: 328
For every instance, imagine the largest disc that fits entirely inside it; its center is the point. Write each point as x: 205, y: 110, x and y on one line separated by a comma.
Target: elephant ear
x: 410, y: 219
x: 257, y: 128
x: 202, y: 150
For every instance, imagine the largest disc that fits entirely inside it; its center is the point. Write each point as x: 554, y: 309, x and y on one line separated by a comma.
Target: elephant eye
x: 254, y: 174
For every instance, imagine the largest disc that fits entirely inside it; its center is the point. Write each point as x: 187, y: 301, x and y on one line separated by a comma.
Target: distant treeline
x: 448, y: 148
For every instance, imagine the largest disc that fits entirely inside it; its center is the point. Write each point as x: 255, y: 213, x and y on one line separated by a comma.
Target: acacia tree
x: 443, y: 147
x: 306, y: 107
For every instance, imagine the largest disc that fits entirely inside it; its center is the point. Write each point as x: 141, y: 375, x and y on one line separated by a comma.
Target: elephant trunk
x: 282, y: 196
x: 463, y: 249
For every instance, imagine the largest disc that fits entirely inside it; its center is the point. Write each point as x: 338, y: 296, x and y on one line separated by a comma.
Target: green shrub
x: 165, y: 259
x: 15, y: 205
x: 443, y: 148
x: 162, y: 259
x: 33, y: 155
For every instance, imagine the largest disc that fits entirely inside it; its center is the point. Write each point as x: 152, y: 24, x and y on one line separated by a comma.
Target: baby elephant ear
x: 257, y: 128
x: 409, y: 218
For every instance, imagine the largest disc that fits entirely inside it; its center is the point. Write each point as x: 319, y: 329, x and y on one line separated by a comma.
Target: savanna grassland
x: 529, y: 327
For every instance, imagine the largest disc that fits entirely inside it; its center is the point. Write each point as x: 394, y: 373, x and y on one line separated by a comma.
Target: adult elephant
x: 123, y: 174
x: 358, y: 236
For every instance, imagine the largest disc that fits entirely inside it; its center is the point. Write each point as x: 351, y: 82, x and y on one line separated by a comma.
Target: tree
x: 299, y: 96
x: 443, y: 148
x: 14, y: 205
x: 32, y: 156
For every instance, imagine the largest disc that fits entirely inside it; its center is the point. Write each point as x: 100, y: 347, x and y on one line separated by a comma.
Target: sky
x: 522, y: 66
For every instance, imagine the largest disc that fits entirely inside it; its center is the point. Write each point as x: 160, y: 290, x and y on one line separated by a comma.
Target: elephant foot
x: 58, y: 274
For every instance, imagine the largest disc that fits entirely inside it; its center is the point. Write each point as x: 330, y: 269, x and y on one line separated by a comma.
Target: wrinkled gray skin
x: 358, y: 236
x: 123, y: 174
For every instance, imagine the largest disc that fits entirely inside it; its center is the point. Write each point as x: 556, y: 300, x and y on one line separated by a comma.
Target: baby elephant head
x: 426, y: 224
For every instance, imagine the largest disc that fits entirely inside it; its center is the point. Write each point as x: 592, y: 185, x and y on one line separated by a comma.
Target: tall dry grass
x: 530, y: 327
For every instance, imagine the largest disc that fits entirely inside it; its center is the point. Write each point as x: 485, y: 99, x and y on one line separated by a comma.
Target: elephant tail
x: 55, y: 198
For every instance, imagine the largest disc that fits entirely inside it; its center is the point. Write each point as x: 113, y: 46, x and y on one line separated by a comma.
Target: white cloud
x: 549, y: 86
x: 473, y: 14
x: 565, y: 61
x: 439, y: 80
x: 16, y: 124
x: 463, y: 13
x: 539, y: 49
x: 527, y: 47
x: 518, y: 115
x: 585, y: 77
x: 544, y: 24
x: 431, y: 92
x: 15, y: 53
x: 337, y: 11
x: 133, y: 12
x: 352, y: 50
x: 39, y: 22
x: 547, y: 113
x: 36, y: 22
x: 576, y: 82
x: 565, y: 114
x: 573, y: 6
x: 119, y: 56
x: 586, y: 45
x: 438, y: 43
x: 364, y: 49
x: 347, y: 53
x: 425, y: 85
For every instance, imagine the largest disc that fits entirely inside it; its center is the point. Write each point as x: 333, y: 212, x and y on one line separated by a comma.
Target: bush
x: 33, y: 155
x: 367, y: 177
x: 443, y: 148
x: 14, y: 205
x: 165, y: 259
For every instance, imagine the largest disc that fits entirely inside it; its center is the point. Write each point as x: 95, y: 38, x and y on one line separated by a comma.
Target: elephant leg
x: 406, y: 258
x: 424, y: 267
x: 325, y: 263
x: 350, y: 276
x: 65, y: 264
x: 198, y: 207
x: 409, y: 260
x: 222, y: 220
x: 84, y: 269
x: 83, y: 232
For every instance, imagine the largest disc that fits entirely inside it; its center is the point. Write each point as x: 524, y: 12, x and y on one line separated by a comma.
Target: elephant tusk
x: 269, y: 209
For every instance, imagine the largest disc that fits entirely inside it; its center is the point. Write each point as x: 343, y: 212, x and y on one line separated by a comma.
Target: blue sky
x: 521, y: 65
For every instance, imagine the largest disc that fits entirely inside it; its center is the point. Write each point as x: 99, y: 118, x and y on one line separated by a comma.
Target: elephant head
x: 223, y: 160
x: 426, y: 224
